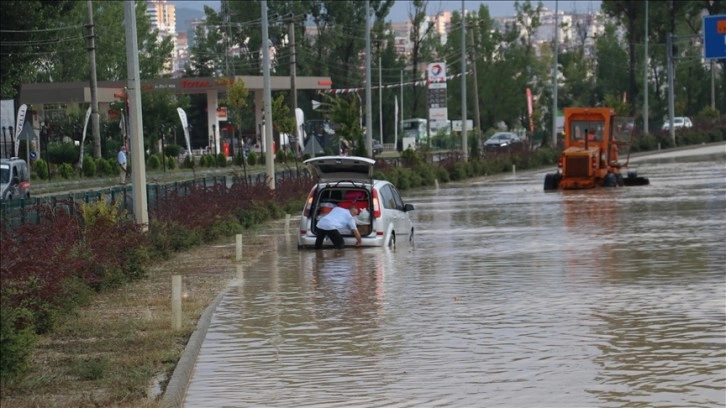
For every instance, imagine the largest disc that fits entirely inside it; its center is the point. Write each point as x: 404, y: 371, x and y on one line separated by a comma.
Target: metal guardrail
x: 14, y: 213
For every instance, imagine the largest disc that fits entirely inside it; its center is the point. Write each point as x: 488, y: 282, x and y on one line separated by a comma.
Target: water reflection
x: 510, y: 297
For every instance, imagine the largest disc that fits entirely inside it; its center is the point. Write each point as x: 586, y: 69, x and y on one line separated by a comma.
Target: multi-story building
x: 180, y: 59
x: 162, y: 16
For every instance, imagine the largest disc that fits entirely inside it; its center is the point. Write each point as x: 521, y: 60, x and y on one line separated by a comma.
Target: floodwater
x: 509, y: 297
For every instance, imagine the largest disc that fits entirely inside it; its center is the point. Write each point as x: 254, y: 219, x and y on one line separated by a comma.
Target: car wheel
x: 392, y: 241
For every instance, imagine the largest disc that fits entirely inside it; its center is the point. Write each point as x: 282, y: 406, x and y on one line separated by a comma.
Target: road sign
x: 714, y: 37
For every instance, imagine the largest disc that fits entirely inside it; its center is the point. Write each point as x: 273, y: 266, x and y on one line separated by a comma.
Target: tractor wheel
x: 552, y: 181
x: 610, y: 180
x: 636, y: 181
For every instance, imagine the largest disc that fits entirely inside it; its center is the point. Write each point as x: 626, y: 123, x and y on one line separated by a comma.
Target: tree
x: 32, y: 32
x: 282, y: 121
x: 344, y: 112
x: 630, y: 14
x: 160, y: 115
x: 420, y: 50
x: 237, y: 96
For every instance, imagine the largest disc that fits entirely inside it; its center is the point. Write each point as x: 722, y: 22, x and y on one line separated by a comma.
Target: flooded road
x: 509, y: 297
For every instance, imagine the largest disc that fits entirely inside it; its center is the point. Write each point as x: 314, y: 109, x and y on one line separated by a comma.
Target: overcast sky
x: 497, y: 8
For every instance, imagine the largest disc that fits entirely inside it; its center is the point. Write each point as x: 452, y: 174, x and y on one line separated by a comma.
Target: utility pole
x: 135, y: 126
x: 400, y: 120
x: 645, y: 74
x: 554, y: 80
x: 369, y: 116
x: 380, y: 95
x: 671, y: 109
x: 269, y: 155
x: 293, y: 74
x: 464, y: 146
x: 476, y: 85
x: 95, y: 128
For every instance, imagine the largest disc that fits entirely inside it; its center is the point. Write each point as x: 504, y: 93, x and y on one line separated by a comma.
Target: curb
x: 176, y: 389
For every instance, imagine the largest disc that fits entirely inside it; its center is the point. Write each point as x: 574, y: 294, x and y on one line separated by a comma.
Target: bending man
x: 331, y: 224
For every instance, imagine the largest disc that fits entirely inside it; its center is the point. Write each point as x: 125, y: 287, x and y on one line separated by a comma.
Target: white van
x: 14, y: 179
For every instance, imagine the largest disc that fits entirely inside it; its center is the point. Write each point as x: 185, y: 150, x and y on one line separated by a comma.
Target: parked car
x: 377, y: 148
x: 14, y: 179
x: 502, y: 140
x: 679, y: 122
x: 345, y: 181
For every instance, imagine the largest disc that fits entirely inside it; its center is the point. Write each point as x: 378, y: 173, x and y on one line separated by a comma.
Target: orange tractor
x: 593, y: 139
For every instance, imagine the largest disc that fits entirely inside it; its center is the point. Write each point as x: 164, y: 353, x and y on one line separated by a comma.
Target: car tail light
x: 376, y: 205
x: 309, y: 202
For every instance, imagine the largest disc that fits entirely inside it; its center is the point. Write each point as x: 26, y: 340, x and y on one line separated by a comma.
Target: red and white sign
x: 222, y: 113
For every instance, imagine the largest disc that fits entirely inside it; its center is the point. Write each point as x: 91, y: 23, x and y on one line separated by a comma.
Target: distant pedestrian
x: 122, y: 162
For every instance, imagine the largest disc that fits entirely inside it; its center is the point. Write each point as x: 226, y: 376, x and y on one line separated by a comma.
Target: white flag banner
x: 299, y: 122
x: 185, y: 125
x: 83, y: 136
x: 122, y: 124
x: 19, y: 126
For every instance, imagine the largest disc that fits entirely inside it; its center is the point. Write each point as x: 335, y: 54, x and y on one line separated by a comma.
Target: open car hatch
x: 339, y: 168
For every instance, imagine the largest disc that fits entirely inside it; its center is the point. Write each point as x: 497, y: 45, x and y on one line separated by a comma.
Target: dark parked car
x: 502, y: 140
x: 377, y: 148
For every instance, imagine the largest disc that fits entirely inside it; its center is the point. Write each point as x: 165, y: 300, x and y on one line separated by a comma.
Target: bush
x: 17, y: 341
x: 107, y: 167
x: 66, y: 171
x: 153, y: 163
x: 171, y: 162
x: 89, y: 166
x: 40, y: 167
x: 221, y: 160
x: 189, y: 161
x: 59, y: 152
x: 207, y: 161
x: 252, y: 158
x: 172, y: 150
x: 239, y: 158
x: 281, y: 156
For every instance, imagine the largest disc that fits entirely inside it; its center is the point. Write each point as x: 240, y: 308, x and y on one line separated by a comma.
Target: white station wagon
x: 344, y: 181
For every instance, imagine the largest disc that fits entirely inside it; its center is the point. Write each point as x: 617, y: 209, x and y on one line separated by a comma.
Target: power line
x: 40, y: 30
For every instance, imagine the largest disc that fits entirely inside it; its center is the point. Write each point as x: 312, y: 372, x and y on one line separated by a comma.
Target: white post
x: 287, y: 223
x: 239, y: 247
x: 176, y: 302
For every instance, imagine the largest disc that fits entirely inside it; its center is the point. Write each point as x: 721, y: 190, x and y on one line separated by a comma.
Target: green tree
x: 610, y: 76
x: 33, y: 31
x: 71, y: 62
x: 160, y: 115
x: 283, y: 122
x: 343, y: 111
x: 237, y: 100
